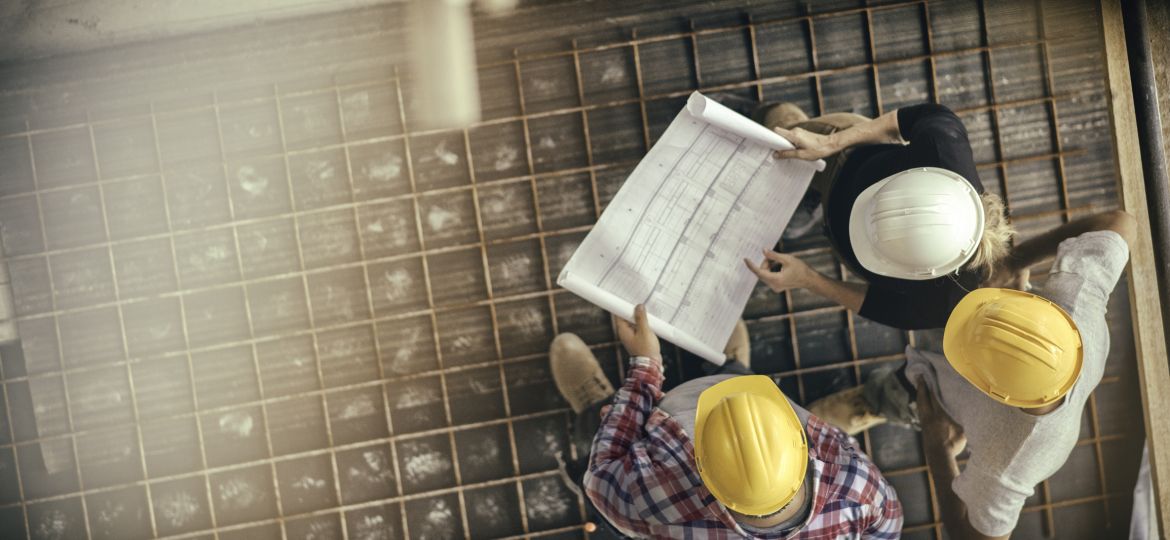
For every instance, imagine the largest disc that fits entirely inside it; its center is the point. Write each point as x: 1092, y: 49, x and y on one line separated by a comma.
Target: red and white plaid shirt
x: 642, y: 476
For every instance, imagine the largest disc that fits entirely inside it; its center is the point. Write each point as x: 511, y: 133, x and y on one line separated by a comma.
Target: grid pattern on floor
x: 283, y: 312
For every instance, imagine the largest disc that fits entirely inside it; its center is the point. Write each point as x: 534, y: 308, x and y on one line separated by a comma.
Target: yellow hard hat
x: 1018, y: 348
x: 749, y: 445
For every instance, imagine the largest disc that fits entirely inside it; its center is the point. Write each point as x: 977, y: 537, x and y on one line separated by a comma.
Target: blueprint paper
x: 707, y: 195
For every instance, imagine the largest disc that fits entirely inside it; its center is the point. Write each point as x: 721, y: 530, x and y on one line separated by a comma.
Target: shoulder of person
x: 1106, y: 242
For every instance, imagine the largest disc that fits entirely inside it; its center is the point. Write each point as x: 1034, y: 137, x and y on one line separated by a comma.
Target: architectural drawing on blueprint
x: 707, y: 195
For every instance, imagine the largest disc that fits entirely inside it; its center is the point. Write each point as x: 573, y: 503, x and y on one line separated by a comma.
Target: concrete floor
x: 254, y: 303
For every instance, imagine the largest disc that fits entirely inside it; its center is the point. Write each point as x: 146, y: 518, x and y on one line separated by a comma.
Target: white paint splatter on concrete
x: 373, y: 528
x: 110, y: 512
x: 301, y: 361
x: 545, y: 86
x: 308, y: 483
x: 490, y: 511
x: 239, y: 494
x: 362, y: 406
x: 178, y: 508
x: 424, y: 464
x: 515, y: 266
x: 530, y: 321
x: 204, y: 259
x: 375, y: 469
x: 54, y: 525
x: 399, y: 233
x: 505, y: 157
x: 376, y: 461
x: 416, y: 396
x: 406, y: 350
x: 251, y: 181
x: 398, y: 283
x: 216, y: 253
x: 613, y: 74
x: 445, y: 155
x: 384, y: 169
x: 440, y: 522
x: 565, y: 251
x: 544, y: 501
x: 237, y: 423
x: 466, y: 343
x: 440, y: 218
x: 481, y: 387
x: 486, y: 453
x: 552, y: 442
x: 321, y: 530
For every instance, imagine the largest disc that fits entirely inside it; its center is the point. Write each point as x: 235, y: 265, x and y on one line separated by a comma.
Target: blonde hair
x: 997, y: 236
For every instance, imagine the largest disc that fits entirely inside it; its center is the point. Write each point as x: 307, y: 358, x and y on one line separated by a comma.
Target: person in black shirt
x: 861, y: 153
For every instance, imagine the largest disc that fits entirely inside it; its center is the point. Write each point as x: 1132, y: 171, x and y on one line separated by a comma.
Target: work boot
x: 846, y: 410
x: 785, y: 115
x: 739, y: 346
x: 577, y: 373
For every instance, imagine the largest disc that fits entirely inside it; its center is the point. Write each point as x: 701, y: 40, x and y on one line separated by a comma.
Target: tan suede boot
x: 846, y: 410
x: 577, y: 373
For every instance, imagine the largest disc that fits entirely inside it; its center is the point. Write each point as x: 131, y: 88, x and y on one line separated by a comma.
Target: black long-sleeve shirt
x: 937, y: 139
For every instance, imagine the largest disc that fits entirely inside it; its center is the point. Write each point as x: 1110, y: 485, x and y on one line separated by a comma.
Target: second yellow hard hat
x: 1019, y: 348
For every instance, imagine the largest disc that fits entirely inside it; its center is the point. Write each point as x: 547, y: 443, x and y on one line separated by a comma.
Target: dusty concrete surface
x: 41, y: 28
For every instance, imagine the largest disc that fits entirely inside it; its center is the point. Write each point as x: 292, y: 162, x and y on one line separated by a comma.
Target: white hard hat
x: 918, y: 224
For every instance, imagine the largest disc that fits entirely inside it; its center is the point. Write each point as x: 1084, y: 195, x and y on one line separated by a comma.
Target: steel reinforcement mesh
x: 274, y: 309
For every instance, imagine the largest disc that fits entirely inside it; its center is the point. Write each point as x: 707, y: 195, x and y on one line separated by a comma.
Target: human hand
x: 793, y: 272
x: 809, y: 146
x: 637, y: 337
x: 939, y: 431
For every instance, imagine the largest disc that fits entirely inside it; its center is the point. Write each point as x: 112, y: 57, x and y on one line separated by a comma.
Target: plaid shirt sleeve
x: 855, y: 501
x: 887, y: 513
x: 622, y: 472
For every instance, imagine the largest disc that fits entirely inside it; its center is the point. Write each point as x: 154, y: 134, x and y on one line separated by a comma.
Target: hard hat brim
x: 867, y: 254
x: 960, y: 357
x: 758, y: 385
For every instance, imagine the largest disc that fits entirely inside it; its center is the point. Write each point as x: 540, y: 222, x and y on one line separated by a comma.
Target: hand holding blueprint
x: 707, y: 195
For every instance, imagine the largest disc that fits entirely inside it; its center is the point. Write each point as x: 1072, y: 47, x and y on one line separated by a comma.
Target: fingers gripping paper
x: 708, y: 194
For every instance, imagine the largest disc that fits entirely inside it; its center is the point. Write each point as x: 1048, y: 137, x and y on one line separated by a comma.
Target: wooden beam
x: 1148, y: 330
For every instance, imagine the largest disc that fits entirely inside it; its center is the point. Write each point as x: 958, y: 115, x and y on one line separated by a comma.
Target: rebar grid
x: 547, y: 297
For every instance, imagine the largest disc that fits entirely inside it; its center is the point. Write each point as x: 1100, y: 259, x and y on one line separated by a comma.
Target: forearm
x: 622, y: 426
x: 880, y: 130
x: 849, y: 295
x: 1041, y: 248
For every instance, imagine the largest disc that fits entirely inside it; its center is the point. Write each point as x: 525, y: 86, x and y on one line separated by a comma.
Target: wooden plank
x: 1149, y: 332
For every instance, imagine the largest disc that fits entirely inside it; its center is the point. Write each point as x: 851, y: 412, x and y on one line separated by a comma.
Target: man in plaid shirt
x: 644, y: 474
